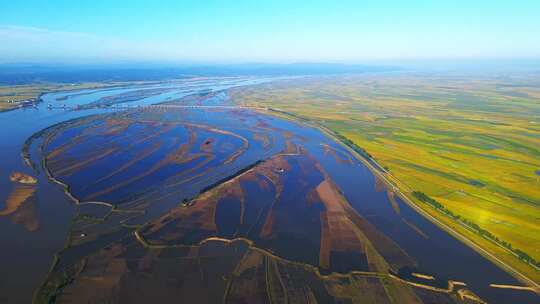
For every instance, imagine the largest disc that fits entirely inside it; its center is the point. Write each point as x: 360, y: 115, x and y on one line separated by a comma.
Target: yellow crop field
x: 472, y: 146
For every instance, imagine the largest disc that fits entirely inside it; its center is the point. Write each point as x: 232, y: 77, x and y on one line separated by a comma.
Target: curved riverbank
x: 394, y: 185
x: 28, y: 254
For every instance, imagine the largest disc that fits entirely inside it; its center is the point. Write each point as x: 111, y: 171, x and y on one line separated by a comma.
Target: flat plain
x: 466, y: 151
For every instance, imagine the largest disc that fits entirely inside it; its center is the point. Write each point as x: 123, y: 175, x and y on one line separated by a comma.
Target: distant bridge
x: 167, y: 106
x: 158, y: 106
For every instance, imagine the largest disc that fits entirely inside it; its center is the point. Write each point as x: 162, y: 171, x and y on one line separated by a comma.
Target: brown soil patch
x: 18, y: 196
x: 21, y: 178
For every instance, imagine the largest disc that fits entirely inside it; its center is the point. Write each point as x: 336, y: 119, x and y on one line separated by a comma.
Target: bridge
x: 157, y: 106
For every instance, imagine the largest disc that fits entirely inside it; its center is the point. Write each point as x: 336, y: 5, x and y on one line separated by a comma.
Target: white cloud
x: 37, y: 44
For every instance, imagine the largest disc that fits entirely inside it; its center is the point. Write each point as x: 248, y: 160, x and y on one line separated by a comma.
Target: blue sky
x: 267, y: 31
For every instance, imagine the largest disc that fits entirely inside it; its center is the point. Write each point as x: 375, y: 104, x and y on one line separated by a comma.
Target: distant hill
x: 11, y: 74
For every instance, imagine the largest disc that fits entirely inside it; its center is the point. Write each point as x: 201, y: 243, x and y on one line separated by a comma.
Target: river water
x: 34, y: 232
x: 27, y: 253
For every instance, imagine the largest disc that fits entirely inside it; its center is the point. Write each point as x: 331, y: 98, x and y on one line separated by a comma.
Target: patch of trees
x: 189, y: 201
x: 287, y: 113
x: 525, y: 257
x: 482, y: 232
x: 353, y: 146
x: 221, y: 181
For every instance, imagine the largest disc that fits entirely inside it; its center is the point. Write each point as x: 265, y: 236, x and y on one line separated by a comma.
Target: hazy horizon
x: 221, y: 32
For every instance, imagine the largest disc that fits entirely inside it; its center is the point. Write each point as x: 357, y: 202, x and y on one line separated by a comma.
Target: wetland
x: 170, y: 191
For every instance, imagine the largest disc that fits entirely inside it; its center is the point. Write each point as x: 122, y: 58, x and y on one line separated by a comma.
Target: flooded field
x: 202, y: 201
x: 35, y: 219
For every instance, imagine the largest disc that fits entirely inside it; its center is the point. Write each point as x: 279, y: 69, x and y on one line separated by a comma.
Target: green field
x: 471, y: 143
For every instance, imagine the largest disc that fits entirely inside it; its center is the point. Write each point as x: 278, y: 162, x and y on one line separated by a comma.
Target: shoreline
x: 396, y: 189
x: 35, y: 101
x: 393, y: 185
x: 372, y: 166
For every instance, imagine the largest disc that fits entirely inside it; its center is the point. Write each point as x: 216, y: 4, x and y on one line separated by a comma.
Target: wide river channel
x: 32, y: 233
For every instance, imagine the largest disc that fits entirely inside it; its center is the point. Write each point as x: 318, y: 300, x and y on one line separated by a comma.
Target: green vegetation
x: 355, y: 147
x: 470, y: 143
x: 520, y: 254
x: 230, y: 177
x: 48, y: 292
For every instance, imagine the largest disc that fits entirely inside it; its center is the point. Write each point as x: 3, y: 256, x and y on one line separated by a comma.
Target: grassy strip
x: 479, y: 230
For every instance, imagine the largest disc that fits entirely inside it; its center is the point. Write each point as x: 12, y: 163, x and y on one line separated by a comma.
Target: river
x: 33, y: 233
